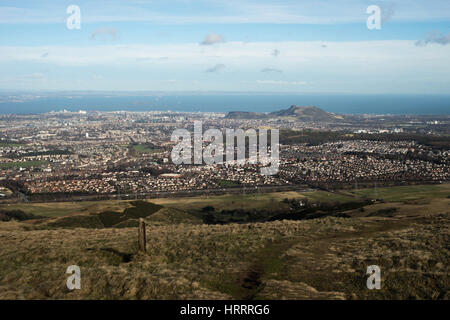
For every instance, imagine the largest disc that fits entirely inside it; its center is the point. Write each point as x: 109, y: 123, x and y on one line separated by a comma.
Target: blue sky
x: 305, y: 46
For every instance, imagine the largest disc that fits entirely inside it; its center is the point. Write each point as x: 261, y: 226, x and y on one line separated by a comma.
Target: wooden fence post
x: 142, y: 236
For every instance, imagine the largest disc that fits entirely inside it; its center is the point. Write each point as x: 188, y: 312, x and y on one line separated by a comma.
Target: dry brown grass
x: 420, y: 207
x: 314, y: 259
x: 322, y: 258
x: 57, y: 209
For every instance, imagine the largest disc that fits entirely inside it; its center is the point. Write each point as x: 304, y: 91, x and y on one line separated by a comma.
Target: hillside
x: 245, y: 115
x: 306, y: 113
x: 302, y: 113
x: 318, y: 258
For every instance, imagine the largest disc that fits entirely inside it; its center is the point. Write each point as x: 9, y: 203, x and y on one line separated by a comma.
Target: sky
x: 299, y: 46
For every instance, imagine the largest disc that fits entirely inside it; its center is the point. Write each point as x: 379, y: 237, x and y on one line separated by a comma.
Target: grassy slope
x: 234, y: 201
x: 248, y: 201
x: 405, y: 192
x: 57, y: 209
x: 321, y: 258
x: 227, y: 201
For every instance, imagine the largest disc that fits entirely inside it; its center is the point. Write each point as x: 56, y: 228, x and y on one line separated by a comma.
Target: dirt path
x: 273, y: 262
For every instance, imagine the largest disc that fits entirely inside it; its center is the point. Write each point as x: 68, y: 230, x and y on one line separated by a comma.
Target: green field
x: 142, y: 148
x: 59, y: 209
x: 405, y: 193
x: 266, y: 201
x: 9, y: 144
x: 228, y: 183
x: 323, y: 196
x: 24, y: 164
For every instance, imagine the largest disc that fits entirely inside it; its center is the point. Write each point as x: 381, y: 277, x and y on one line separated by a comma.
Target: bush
x: 140, y: 209
x: 79, y: 221
x: 17, y: 215
x: 208, y: 209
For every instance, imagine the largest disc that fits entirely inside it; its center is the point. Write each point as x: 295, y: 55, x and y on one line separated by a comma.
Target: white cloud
x: 271, y: 70
x: 36, y: 76
x: 102, y: 32
x: 95, y: 76
x: 216, y: 68
x: 357, y: 66
x: 227, y: 11
x: 281, y: 82
x: 295, y: 54
x: 435, y: 37
x: 212, y: 38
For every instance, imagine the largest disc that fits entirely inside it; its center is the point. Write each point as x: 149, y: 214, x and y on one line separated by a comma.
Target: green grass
x: 323, y: 196
x: 10, y: 144
x: 24, y: 164
x: 168, y: 216
x: 405, y: 193
x: 107, y: 219
x: 79, y: 221
x: 59, y: 209
x: 142, y: 148
x: 228, y: 183
x: 140, y: 209
x: 267, y: 201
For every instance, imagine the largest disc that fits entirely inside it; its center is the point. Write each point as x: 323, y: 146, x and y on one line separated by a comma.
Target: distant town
x: 89, y: 154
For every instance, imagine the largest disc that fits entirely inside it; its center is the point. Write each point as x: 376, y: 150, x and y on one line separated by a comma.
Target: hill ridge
x: 302, y: 113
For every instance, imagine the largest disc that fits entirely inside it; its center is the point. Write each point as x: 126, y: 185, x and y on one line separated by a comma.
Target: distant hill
x: 306, y: 113
x: 303, y: 113
x: 245, y: 115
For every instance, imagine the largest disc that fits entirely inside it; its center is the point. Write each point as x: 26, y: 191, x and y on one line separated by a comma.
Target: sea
x: 337, y: 103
